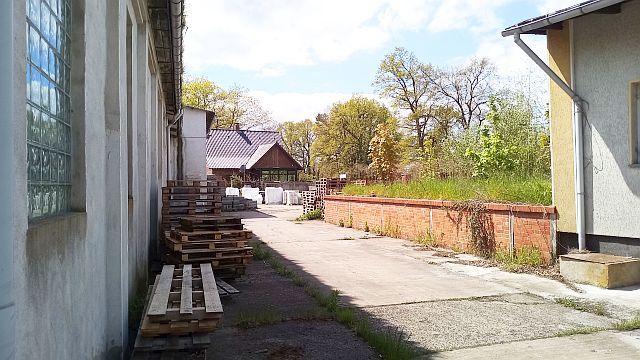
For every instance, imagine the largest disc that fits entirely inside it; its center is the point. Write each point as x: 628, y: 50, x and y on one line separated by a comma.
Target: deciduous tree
x: 233, y: 106
x: 298, y: 137
x: 384, y: 153
x: 343, y: 137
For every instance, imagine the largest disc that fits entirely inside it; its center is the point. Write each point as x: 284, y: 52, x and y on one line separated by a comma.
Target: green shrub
x: 311, y: 215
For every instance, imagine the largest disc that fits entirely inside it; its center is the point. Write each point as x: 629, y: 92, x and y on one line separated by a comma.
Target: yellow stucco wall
x: 560, y: 112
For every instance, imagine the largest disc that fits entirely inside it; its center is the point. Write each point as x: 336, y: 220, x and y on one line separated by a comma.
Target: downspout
x: 578, y: 142
x: 176, y: 118
x: 7, y: 158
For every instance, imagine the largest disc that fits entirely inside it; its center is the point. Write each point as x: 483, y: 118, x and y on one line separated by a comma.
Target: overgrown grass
x: 502, y: 189
x: 391, y: 344
x: 628, y: 325
x: 311, y: 215
x: 253, y: 318
x: 594, y: 308
x: 527, y: 256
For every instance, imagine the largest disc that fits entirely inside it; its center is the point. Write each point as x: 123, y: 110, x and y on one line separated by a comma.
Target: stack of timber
x: 183, y: 302
x: 238, y: 203
x: 308, y: 201
x: 218, y: 240
x: 179, y: 346
x: 190, y: 197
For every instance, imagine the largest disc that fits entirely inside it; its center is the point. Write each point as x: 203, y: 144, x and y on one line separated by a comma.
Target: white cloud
x: 299, y: 106
x: 268, y: 36
x: 548, y: 6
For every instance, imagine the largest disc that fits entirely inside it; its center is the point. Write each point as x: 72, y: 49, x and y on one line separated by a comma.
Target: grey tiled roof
x: 230, y: 149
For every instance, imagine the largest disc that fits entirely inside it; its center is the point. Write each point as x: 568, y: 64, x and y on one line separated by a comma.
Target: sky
x: 298, y: 57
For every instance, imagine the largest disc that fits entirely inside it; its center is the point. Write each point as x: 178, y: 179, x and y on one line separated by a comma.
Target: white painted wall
x: 194, y: 144
x: 75, y: 274
x: 606, y: 59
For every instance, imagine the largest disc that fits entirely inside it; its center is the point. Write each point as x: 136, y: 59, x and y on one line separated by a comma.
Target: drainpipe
x: 7, y: 300
x: 578, y: 143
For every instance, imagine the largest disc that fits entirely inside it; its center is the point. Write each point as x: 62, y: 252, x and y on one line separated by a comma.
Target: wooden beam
x: 211, y: 298
x: 186, y: 301
x: 161, y: 293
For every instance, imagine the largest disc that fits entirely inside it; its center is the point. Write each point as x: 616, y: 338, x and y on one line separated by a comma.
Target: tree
x: 298, y: 138
x: 467, y: 90
x: 405, y: 80
x: 233, y: 106
x: 343, y: 137
x: 384, y: 153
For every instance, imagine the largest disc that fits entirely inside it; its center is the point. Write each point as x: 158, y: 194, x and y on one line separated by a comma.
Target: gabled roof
x: 540, y: 24
x: 230, y: 148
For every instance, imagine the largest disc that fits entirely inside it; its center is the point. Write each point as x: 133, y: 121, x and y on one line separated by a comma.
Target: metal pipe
x: 578, y: 142
x: 7, y: 296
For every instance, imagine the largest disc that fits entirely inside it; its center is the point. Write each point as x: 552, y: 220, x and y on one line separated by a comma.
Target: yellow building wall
x: 560, y: 112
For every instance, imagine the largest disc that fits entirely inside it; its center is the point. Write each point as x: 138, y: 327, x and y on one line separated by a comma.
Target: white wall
x: 606, y: 59
x: 75, y: 274
x: 194, y: 144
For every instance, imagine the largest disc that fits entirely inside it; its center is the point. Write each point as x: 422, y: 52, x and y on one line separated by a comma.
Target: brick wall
x: 512, y: 227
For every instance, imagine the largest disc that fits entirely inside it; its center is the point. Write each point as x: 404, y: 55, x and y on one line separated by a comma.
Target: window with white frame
x: 48, y: 107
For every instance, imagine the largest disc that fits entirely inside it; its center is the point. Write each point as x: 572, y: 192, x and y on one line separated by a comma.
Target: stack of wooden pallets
x: 183, y: 301
x: 190, y: 197
x: 238, y: 203
x: 218, y: 240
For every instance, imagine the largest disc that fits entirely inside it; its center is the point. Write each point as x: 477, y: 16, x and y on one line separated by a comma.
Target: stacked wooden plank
x: 183, y: 301
x: 308, y: 201
x: 190, y: 197
x: 218, y: 240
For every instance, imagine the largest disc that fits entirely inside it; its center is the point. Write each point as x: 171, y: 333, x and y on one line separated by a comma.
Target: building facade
x: 594, y: 48
x: 250, y: 155
x: 90, y: 99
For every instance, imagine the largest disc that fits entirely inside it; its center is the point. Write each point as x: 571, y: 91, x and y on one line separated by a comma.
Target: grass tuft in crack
x: 390, y: 344
x: 579, y: 331
x: 628, y: 325
x: 594, y: 308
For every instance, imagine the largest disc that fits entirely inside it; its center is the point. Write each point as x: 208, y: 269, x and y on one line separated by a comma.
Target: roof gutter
x: 578, y: 142
x: 560, y: 16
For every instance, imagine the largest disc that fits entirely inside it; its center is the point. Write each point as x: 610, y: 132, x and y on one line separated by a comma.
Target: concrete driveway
x: 444, y: 305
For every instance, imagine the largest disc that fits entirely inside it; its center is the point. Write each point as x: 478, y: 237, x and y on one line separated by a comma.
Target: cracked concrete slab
x: 606, y: 345
x: 454, y: 324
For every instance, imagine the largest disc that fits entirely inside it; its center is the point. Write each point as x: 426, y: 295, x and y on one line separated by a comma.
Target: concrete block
x: 606, y: 271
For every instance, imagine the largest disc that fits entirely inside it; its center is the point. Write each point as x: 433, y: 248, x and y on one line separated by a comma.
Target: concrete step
x: 603, y: 270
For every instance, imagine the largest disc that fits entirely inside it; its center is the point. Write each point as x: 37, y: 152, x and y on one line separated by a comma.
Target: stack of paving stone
x: 238, y: 203
x: 190, y: 197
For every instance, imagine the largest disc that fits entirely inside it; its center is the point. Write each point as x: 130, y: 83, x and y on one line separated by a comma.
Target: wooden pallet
x: 192, y: 223
x: 193, y: 190
x: 178, y: 246
x: 208, y: 235
x: 204, y: 210
x: 183, y: 302
x: 217, y: 259
x: 193, y: 196
x: 193, y: 203
x: 214, y: 183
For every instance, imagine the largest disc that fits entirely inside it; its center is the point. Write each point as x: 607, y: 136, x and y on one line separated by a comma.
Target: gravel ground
x: 454, y: 324
x: 263, y: 290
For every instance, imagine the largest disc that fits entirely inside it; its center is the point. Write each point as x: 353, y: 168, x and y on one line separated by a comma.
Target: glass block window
x: 48, y: 107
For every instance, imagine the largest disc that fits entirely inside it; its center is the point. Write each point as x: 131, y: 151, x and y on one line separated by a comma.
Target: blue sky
x: 300, y: 56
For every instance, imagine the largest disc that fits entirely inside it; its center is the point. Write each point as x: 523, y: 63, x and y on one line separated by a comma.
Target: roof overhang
x: 539, y: 25
x: 168, y: 22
